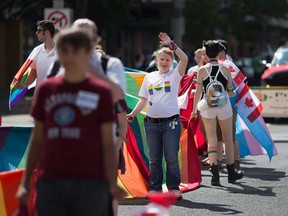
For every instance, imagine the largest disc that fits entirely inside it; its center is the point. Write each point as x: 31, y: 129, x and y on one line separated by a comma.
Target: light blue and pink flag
x: 251, y: 131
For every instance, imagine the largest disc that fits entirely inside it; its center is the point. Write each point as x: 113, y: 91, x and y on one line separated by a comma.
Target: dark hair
x: 223, y: 45
x: 212, y: 48
x: 75, y: 38
x: 47, y: 25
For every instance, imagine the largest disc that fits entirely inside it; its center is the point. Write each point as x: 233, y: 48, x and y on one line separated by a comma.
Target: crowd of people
x: 81, y: 118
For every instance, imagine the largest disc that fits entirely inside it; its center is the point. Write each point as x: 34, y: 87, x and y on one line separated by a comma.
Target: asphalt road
x: 263, y: 191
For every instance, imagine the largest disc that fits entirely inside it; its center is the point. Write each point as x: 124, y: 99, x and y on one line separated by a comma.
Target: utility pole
x: 178, y: 21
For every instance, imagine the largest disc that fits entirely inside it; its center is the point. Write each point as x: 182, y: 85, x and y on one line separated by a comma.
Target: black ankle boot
x: 215, y: 175
x: 233, y: 175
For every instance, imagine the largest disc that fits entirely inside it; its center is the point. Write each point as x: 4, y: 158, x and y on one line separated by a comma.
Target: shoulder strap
x: 54, y: 69
x: 104, y: 62
x: 209, y: 75
x: 219, y: 70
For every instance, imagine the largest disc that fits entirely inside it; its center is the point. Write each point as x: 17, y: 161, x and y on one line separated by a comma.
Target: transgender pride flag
x: 21, y: 76
x: 251, y: 131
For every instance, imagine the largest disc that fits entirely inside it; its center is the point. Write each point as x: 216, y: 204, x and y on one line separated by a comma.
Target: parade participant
x: 72, y: 142
x: 227, y: 60
x: 216, y: 81
x: 46, y: 54
x: 159, y: 93
x: 198, y: 59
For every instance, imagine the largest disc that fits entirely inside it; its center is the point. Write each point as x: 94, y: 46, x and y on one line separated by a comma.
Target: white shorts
x: 221, y: 113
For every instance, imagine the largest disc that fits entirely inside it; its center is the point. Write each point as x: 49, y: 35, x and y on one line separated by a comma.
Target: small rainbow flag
x: 150, y: 89
x: 21, y: 76
x: 167, y: 86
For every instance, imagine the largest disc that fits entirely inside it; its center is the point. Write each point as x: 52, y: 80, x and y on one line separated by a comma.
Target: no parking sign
x: 61, y: 18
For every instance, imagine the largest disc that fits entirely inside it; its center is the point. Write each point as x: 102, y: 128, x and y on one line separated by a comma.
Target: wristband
x: 230, y: 89
x: 172, y: 46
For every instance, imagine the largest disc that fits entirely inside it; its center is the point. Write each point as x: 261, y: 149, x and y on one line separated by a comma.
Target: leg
x: 154, y: 141
x: 226, y: 128
x: 50, y: 198
x: 171, y: 137
x: 210, y: 128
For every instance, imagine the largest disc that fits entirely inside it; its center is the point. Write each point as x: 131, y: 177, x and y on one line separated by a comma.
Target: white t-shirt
x: 193, y: 69
x: 115, y: 70
x: 162, y: 93
x: 42, y: 62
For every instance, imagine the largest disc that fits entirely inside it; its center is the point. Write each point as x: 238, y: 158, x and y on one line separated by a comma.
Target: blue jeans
x: 164, y: 136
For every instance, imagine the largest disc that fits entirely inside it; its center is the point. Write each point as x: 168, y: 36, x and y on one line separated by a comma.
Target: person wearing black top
x: 216, y: 81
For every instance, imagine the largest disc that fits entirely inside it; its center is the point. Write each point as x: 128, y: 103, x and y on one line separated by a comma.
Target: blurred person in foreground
x: 111, y: 70
x: 72, y: 142
x: 46, y: 54
x: 215, y: 106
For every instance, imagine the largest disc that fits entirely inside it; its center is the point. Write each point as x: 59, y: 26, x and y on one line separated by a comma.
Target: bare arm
x: 199, y: 90
x: 109, y: 156
x: 122, y: 121
x: 29, y: 80
x: 165, y: 40
x: 140, y: 106
x: 183, y: 61
x: 35, y: 148
x: 229, y: 80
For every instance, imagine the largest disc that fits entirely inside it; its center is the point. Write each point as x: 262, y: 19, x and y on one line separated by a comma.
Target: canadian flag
x: 246, y: 101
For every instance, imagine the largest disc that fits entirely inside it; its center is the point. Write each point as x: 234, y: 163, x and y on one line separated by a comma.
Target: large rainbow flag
x: 14, y: 141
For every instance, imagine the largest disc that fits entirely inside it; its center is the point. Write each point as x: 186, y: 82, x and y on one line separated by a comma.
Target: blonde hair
x: 166, y: 51
x: 198, y: 51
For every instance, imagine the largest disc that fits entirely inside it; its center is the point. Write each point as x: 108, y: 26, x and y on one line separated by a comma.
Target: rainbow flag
x: 21, y: 76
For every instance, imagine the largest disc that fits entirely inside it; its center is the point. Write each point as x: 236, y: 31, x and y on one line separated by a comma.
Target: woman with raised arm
x: 216, y: 81
x: 159, y: 92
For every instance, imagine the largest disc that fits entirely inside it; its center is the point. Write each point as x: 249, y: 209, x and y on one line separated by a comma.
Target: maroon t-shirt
x: 72, y: 115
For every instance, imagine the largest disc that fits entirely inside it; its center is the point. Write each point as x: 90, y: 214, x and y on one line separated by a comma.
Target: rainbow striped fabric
x: 21, y: 76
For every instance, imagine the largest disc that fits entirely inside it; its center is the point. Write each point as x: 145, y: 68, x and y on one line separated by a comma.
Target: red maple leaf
x: 249, y: 102
x: 231, y: 68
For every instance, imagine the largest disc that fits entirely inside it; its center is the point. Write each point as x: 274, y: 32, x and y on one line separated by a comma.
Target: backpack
x: 216, y: 91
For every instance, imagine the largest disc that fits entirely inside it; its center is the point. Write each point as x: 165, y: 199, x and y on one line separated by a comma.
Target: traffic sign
x: 61, y: 18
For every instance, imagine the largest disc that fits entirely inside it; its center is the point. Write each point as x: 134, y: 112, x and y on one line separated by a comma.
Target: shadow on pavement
x: 265, y: 174
x: 246, y: 189
x: 211, y: 207
x: 134, y: 201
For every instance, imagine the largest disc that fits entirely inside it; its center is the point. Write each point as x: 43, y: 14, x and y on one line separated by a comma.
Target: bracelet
x: 230, y: 89
x: 172, y: 46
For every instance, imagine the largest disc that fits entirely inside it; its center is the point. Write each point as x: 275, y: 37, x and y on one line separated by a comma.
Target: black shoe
x: 237, y: 166
x: 215, y: 175
x: 233, y: 175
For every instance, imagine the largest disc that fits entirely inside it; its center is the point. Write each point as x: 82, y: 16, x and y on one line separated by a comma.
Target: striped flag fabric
x: 21, y: 76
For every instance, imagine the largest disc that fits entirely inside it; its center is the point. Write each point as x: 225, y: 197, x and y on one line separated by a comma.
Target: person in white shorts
x: 216, y: 81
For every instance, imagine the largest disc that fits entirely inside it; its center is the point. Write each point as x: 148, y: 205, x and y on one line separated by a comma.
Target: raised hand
x: 164, y: 38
